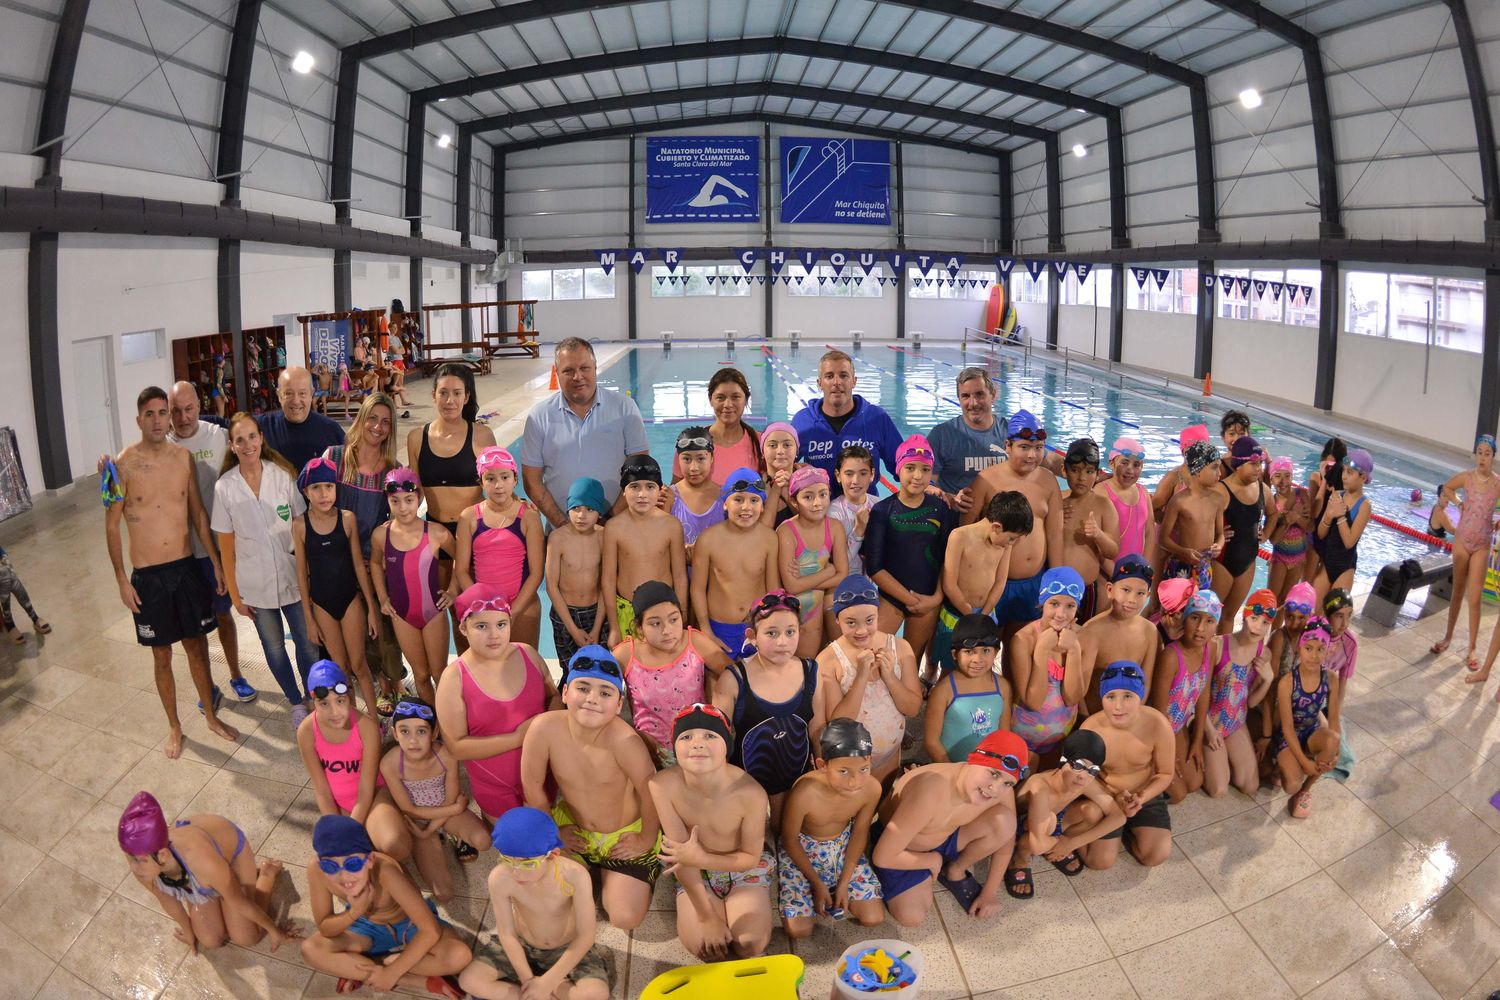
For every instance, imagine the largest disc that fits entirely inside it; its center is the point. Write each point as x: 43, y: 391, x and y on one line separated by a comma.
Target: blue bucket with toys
x: 883, y: 967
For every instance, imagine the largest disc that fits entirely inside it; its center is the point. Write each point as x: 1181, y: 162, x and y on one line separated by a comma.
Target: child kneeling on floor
x: 387, y: 935
x: 544, y: 919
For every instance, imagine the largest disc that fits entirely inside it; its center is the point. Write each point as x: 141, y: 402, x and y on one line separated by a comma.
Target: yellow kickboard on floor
x: 775, y: 977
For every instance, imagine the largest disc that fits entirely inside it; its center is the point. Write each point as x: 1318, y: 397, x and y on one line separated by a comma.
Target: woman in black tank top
x: 450, y: 482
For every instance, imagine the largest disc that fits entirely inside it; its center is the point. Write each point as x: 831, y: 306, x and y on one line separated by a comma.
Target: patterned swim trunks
x: 827, y: 857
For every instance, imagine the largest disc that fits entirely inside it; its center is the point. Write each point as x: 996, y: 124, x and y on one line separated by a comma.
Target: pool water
x: 916, y: 388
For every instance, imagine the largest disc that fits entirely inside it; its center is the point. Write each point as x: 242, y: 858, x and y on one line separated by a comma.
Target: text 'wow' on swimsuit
x: 772, y: 739
x: 411, y: 580
x: 341, y: 763
x: 500, y: 553
x: 331, y: 582
x: 810, y: 562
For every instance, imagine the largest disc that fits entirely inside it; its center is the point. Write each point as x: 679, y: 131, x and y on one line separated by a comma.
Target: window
x: 919, y: 287
x: 567, y: 284
x: 149, y: 345
x: 1235, y: 303
x: 1024, y: 289
x: 536, y: 285
x: 728, y: 286
x: 1167, y: 297
x: 597, y: 284
x: 697, y: 281
x: 802, y: 283
x: 666, y: 284
x: 1095, y: 290
x: 1303, y: 309
x: 963, y: 289
x: 825, y: 280
x: 1421, y: 308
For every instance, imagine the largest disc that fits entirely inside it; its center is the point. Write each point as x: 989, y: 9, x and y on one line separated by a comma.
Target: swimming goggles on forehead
x: 1139, y: 456
x: 411, y: 710
x: 404, y: 486
x: 865, y: 595
x: 353, y: 864
x: 1132, y: 671
x: 685, y: 443
x: 1057, y: 588
x: 589, y: 664
x: 978, y: 642
x: 1298, y: 608
x: 774, y: 602
x: 324, y: 692
x: 747, y: 486
x: 1083, y: 765
x: 523, y: 864
x: 1261, y: 609
x: 1027, y: 434
x: 1009, y: 762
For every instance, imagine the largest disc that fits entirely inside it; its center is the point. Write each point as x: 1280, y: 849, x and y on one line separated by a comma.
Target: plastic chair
x: 774, y: 977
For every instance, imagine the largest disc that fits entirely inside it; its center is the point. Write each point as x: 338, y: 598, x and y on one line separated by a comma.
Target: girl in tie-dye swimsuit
x: 1047, y: 663
x: 1240, y: 681
x: 1180, y: 687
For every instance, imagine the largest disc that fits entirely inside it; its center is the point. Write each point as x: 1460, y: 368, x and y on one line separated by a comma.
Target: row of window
x: 1441, y: 311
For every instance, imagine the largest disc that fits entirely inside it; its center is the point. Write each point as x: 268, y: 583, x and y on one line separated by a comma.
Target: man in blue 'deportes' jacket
x: 826, y: 426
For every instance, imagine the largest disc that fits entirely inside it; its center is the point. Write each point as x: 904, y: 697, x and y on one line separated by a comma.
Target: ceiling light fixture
x: 303, y: 62
x: 1250, y: 98
x: 444, y: 141
x: 1080, y: 150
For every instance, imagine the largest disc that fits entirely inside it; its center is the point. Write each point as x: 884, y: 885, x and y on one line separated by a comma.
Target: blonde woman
x: 364, y: 460
x: 255, y: 500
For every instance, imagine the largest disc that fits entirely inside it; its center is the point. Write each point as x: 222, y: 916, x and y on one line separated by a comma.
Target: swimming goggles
x: 1139, y: 456
x: 404, y: 486
x: 1009, y: 762
x: 1083, y: 765
x: 353, y: 864
x: 747, y: 486
x: 499, y: 604
x: 523, y: 864
x: 685, y: 443
x: 589, y: 664
x: 411, y: 710
x: 978, y: 642
x: 1057, y: 588
x: 1298, y: 608
x: 1027, y: 434
x: 1261, y: 609
x: 324, y: 692
x: 867, y: 595
x: 776, y: 600
x: 1133, y: 672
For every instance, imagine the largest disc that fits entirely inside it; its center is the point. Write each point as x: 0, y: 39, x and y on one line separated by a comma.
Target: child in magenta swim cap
x: 814, y: 552
x: 204, y: 875
x: 500, y: 542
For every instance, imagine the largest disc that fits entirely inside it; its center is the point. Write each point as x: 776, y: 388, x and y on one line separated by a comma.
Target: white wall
x: 1160, y: 172
x: 1274, y: 359
x: 1029, y: 197
x: 1079, y: 327
x: 1160, y: 341
x: 942, y: 319
x: 15, y: 375
x: 1382, y: 381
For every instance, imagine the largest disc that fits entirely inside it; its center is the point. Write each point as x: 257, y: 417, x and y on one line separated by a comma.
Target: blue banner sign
x: 329, y: 343
x: 840, y: 181
x: 702, y: 178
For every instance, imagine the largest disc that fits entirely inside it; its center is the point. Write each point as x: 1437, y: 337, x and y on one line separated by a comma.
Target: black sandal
x: 1016, y: 879
x: 1070, y: 865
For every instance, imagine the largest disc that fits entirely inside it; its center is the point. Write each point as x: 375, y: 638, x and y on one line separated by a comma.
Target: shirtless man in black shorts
x: 166, y: 592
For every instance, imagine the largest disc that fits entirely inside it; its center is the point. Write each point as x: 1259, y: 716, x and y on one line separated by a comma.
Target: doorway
x: 95, y: 421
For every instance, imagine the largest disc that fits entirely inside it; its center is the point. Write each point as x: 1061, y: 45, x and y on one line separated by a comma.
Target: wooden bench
x: 527, y: 343
x: 476, y: 356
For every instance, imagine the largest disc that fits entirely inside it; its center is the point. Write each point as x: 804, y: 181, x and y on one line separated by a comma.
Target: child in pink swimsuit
x: 808, y: 572
x: 500, y: 542
x: 406, y: 579
x: 1180, y: 687
x: 1131, y: 501
x: 1241, y: 681
x: 484, y: 705
x: 1047, y: 664
x: 1473, y: 538
x: 667, y: 667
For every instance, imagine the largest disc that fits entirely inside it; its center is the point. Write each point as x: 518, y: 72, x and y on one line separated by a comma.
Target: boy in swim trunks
x: 203, y: 875
x: 575, y: 564
x: 1091, y: 528
x: 1139, y: 763
x: 1121, y: 633
x: 1175, y: 481
x: 825, y: 829
x: 940, y: 819
x: 545, y: 923
x: 1026, y: 444
x: 602, y: 770
x: 713, y: 819
x: 387, y: 935
x: 735, y: 561
x: 1043, y: 826
x: 977, y: 566
x: 1192, y: 530
x: 643, y: 542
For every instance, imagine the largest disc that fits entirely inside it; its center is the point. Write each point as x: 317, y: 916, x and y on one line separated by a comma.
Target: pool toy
x: 995, y: 308
x: 1416, y: 496
x: 876, y: 970
x: 772, y: 977
x: 109, y: 485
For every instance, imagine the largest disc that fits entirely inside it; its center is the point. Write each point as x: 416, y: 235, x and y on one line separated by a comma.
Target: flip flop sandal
x: 1473, y: 664
x: 43, y: 628
x: 1301, y: 805
x: 465, y: 850
x: 348, y: 985
x: 1440, y: 647
x: 965, y: 890
x: 1070, y: 865
x: 1015, y: 878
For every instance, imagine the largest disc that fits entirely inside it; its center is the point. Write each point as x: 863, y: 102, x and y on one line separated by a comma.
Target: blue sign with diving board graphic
x: 697, y: 178
x: 840, y: 181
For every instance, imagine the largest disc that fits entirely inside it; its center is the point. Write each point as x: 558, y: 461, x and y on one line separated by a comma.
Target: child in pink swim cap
x: 500, y: 541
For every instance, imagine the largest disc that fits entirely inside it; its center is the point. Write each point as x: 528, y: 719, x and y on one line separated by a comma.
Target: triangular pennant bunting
x: 606, y: 260
x: 1161, y: 275
x: 1141, y: 275
x: 637, y: 260
x: 1083, y: 271
x: 1275, y: 287
x: 867, y: 261
x: 1227, y: 281
x: 808, y: 258
x: 953, y: 264
x: 777, y: 260
x: 1243, y: 286
x: 1004, y: 264
x: 1260, y: 287
x: 1036, y: 268
x: 671, y: 257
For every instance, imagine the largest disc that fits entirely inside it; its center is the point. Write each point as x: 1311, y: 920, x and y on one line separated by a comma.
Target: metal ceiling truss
x: 231, y: 160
